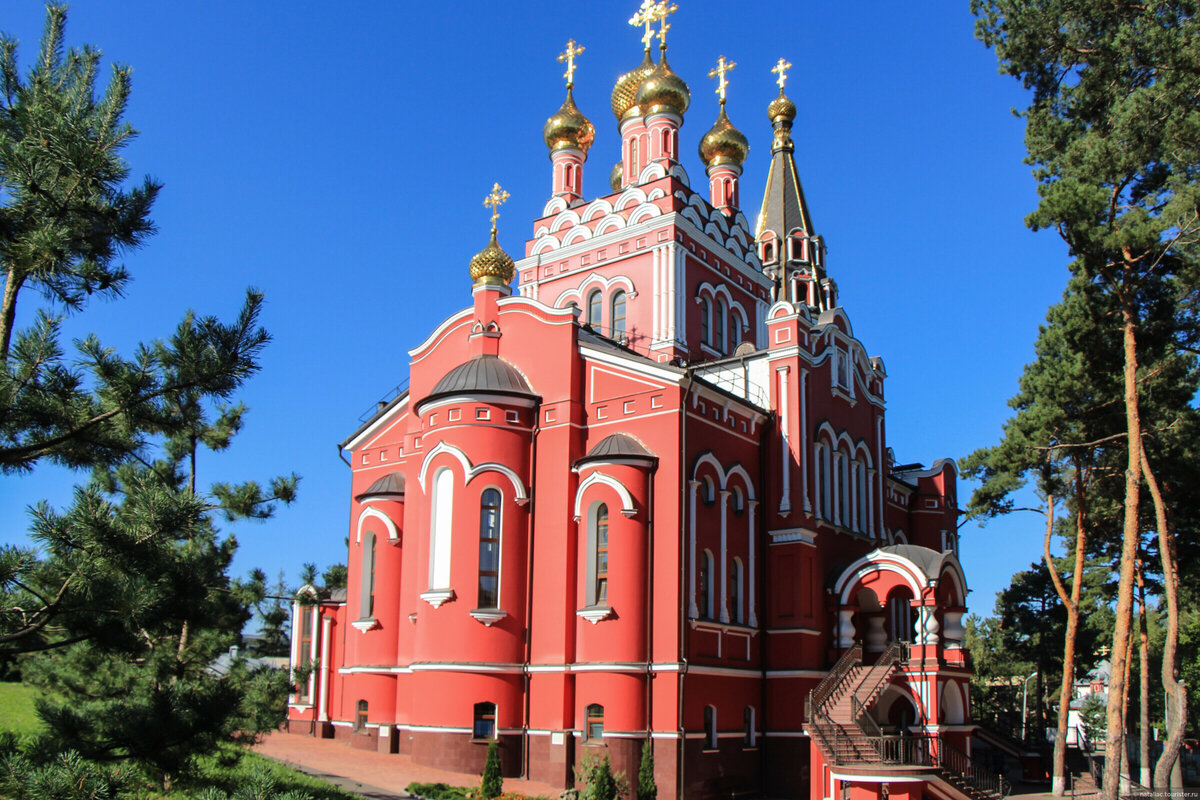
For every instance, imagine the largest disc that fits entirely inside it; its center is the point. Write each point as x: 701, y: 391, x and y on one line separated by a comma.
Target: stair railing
x: 829, y: 684
x: 954, y: 761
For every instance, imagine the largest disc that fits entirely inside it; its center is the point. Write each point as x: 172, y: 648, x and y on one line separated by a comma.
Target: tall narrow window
x: 601, y: 555
x: 822, y: 476
x: 735, y: 329
x: 618, y: 314
x: 367, y: 592
x: 844, y: 489
x: 304, y: 652
x: 705, y: 326
x: 484, y: 726
x: 489, y: 549
x: 706, y: 588
x: 710, y: 728
x: 860, y: 495
x: 360, y: 716
x: 722, y: 320
x: 749, y: 737
x: 735, y: 590
x: 595, y: 305
x: 633, y: 160
x: 443, y: 509
x: 595, y: 722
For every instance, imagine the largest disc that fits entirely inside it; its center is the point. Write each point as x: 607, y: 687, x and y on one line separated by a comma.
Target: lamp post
x: 1024, y: 703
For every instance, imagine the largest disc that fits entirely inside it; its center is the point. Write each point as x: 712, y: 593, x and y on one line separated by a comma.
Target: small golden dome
x: 491, y: 265
x: 624, y: 93
x: 615, y: 177
x: 723, y: 144
x: 663, y: 91
x: 781, y: 109
x: 569, y: 128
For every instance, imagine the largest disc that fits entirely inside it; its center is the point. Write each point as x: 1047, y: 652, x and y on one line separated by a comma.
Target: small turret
x: 569, y: 134
x: 723, y: 149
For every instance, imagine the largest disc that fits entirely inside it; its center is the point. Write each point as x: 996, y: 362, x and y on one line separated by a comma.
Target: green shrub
x: 493, y: 783
x: 647, y: 789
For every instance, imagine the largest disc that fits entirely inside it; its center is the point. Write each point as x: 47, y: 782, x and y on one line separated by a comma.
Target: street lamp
x: 1024, y: 703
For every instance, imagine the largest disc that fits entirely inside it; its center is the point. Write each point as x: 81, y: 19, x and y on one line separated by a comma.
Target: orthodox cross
x: 645, y: 16
x: 569, y: 57
x: 781, y: 69
x: 662, y: 9
x: 723, y: 68
x: 494, y: 201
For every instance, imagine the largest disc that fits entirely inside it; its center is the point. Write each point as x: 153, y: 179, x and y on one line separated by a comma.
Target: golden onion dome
x: 663, y: 91
x: 781, y: 109
x: 491, y: 265
x: 723, y: 144
x: 624, y: 93
x: 614, y: 177
x: 569, y: 128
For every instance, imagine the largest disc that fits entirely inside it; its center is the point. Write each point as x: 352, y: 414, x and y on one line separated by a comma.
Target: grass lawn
x: 16, y: 709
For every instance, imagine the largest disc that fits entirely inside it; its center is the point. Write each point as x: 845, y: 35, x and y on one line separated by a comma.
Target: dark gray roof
x: 482, y: 375
x: 930, y: 561
x: 784, y: 207
x: 618, y: 445
x: 337, y: 596
x: 390, y: 486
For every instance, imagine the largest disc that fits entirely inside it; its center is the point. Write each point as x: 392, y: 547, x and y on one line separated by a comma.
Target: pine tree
x: 1112, y: 133
x: 493, y: 782
x: 647, y: 789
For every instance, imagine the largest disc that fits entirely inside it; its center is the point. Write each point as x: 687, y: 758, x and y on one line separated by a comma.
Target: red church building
x: 643, y: 498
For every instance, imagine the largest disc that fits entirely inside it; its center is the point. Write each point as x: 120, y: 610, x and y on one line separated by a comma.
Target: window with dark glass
x: 602, y: 555
x: 489, y: 549
x: 594, y: 308
x: 705, y: 313
x: 360, y: 717
x: 304, y: 653
x: 710, y: 728
x: 595, y: 721
x: 706, y: 593
x: 484, y: 726
x: 735, y: 590
x: 618, y: 314
x: 748, y: 737
x: 371, y: 558
x: 722, y: 320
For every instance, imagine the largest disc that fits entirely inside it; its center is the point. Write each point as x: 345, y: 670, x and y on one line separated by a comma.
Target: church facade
x: 645, y: 500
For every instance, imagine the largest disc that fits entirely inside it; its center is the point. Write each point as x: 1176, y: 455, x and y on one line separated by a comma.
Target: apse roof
x: 389, y: 486
x: 618, y: 446
x: 930, y: 561
x: 482, y: 375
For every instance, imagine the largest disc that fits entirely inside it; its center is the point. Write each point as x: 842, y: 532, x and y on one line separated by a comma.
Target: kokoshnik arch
x: 645, y: 499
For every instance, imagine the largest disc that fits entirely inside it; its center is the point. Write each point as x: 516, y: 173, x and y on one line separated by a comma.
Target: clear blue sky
x: 335, y: 155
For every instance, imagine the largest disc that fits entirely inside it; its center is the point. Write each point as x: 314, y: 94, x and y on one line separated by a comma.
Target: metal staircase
x: 839, y: 722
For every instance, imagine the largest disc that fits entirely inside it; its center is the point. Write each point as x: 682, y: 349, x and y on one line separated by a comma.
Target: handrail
x: 953, y: 760
x: 850, y: 659
x: 896, y: 652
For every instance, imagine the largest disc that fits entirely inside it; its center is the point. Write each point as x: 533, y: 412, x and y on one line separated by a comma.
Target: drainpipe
x: 649, y: 604
x: 683, y: 579
x: 760, y: 564
x: 537, y: 418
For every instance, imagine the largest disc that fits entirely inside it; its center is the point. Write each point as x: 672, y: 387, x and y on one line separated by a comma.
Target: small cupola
x: 723, y: 149
x: 569, y: 134
x: 491, y: 266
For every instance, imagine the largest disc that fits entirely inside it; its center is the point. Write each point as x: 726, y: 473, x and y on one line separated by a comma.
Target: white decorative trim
x: 520, y: 495
x: 364, y: 625
x: 594, y: 614
x: 393, y: 533
x: 436, y: 597
x: 488, y: 616
x: 783, y: 535
x: 628, y: 510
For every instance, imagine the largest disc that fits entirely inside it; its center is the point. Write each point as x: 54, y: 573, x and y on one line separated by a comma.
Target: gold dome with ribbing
x: 723, y: 144
x: 492, y: 266
x: 663, y: 91
x: 569, y: 128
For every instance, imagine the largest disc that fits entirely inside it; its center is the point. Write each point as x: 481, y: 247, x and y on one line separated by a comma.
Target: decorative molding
x: 364, y: 625
x: 488, y: 616
x: 436, y: 597
x: 594, y: 614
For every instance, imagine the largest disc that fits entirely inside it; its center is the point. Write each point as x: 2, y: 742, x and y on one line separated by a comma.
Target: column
x: 724, y: 615
x: 752, y: 506
x: 693, y: 489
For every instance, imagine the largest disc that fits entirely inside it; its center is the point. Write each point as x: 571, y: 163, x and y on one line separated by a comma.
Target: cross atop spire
x: 494, y: 200
x: 663, y: 9
x: 645, y: 16
x: 722, y: 69
x: 781, y: 67
x: 569, y: 57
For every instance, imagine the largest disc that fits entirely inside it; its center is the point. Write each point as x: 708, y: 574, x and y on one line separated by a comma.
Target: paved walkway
x: 378, y: 776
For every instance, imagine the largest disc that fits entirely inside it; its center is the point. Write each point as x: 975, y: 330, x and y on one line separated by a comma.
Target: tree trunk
x: 1143, y: 681
x: 8, y: 311
x: 1071, y: 602
x: 1176, y: 694
x: 1114, y: 742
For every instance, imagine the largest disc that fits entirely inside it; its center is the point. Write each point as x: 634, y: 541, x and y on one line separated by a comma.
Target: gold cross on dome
x: 569, y: 57
x: 662, y: 10
x: 494, y: 200
x: 781, y: 69
x: 645, y: 16
x: 723, y: 68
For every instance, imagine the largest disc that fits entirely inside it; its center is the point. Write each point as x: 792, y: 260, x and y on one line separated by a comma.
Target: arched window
x: 705, y: 321
x: 595, y: 304
x: 594, y: 725
x: 739, y: 500
x: 750, y: 736
x: 710, y: 491
x: 706, y: 587
x: 440, y: 528
x: 599, y: 537
x: 360, y: 716
x: 633, y: 158
x: 489, y: 549
x: 618, y: 314
x: 736, y: 590
x: 722, y: 320
x: 710, y: 728
x: 735, y: 329
x: 304, y: 652
x: 367, y: 590
x: 484, y: 725
x: 860, y: 495
x: 666, y: 142
x: 824, y: 507
x: 844, y: 489
x: 900, y: 616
